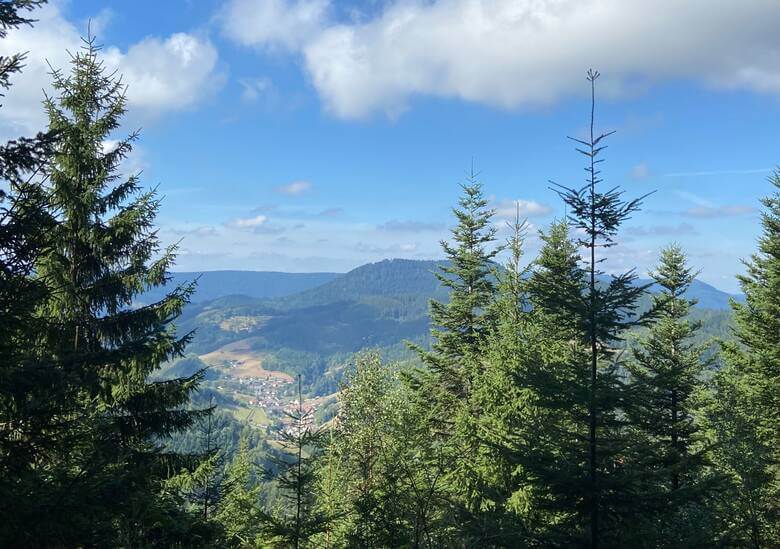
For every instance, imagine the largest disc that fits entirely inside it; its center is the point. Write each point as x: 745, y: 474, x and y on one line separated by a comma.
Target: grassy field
x: 239, y: 360
x: 256, y: 416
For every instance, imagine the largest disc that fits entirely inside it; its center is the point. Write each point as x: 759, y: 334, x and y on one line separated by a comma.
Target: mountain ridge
x: 385, y: 278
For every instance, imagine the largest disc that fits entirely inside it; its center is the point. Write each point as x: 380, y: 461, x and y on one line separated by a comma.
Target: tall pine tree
x: 746, y: 409
x: 454, y: 362
x: 460, y: 325
x: 667, y: 387
x: 508, y: 419
x: 298, y: 518
x: 103, y: 253
x: 600, y: 312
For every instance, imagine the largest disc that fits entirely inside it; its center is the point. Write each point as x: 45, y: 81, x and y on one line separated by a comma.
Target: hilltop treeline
x: 533, y: 420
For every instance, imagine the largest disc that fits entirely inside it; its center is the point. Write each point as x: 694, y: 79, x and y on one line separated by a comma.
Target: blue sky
x: 314, y: 135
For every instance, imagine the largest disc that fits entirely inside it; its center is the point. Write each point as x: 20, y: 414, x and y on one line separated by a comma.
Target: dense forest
x: 551, y: 405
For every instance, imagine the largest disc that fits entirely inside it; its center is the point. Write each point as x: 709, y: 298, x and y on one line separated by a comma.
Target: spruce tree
x: 459, y: 325
x: 454, y: 362
x: 666, y: 396
x: 30, y: 388
x: 509, y: 418
x: 368, y: 460
x: 600, y: 314
x: 299, y: 518
x: 746, y: 409
x: 106, y: 481
x: 239, y: 509
x: 558, y: 378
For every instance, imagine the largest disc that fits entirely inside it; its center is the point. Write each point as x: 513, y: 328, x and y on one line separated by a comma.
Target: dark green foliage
x: 746, y: 410
x: 297, y: 518
x: 443, y: 389
x: 101, y: 480
x: 239, y: 511
x: 506, y: 415
x: 30, y: 389
x: 596, y: 315
x: 459, y: 325
x: 666, y: 394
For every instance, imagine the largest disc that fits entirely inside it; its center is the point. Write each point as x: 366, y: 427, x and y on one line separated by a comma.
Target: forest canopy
x: 555, y: 402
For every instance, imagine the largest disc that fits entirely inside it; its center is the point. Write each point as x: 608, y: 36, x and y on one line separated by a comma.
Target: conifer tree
x: 459, y: 326
x: 370, y: 460
x: 239, y: 509
x: 509, y: 418
x: 600, y: 313
x: 106, y: 479
x: 454, y: 362
x: 666, y: 394
x: 746, y: 409
x: 30, y: 389
x: 299, y: 518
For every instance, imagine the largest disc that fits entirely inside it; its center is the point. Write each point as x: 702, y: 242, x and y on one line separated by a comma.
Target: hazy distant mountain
x: 390, y: 278
x: 376, y: 305
x: 709, y: 297
x: 407, y: 283
x: 264, y: 284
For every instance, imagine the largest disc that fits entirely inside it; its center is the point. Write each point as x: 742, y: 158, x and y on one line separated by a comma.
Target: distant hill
x: 401, y: 288
x: 375, y: 305
x: 262, y: 284
x: 390, y: 278
x: 708, y: 297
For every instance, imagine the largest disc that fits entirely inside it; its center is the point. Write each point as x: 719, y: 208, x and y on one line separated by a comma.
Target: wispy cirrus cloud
x: 409, y: 226
x: 718, y: 172
x: 199, y: 231
x: 331, y: 212
x: 294, y: 188
x: 683, y: 229
x: 248, y: 222
x: 708, y: 212
x: 403, y: 248
x: 705, y: 208
x: 640, y: 171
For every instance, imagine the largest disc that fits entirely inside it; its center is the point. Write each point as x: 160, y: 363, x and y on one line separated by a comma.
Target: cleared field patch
x: 239, y: 360
x: 256, y: 416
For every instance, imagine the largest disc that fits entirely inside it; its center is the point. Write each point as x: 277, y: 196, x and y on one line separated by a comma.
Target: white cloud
x: 508, y: 209
x: 411, y: 226
x: 253, y: 88
x: 514, y: 53
x: 274, y: 23
x: 249, y: 222
x: 641, y: 171
x: 167, y: 75
x: 683, y: 229
x: 162, y: 74
x: 718, y: 172
x: 404, y: 248
x: 719, y: 211
x: 296, y: 187
x: 198, y: 231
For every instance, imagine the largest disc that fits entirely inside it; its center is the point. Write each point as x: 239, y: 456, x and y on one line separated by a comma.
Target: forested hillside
x: 490, y: 399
